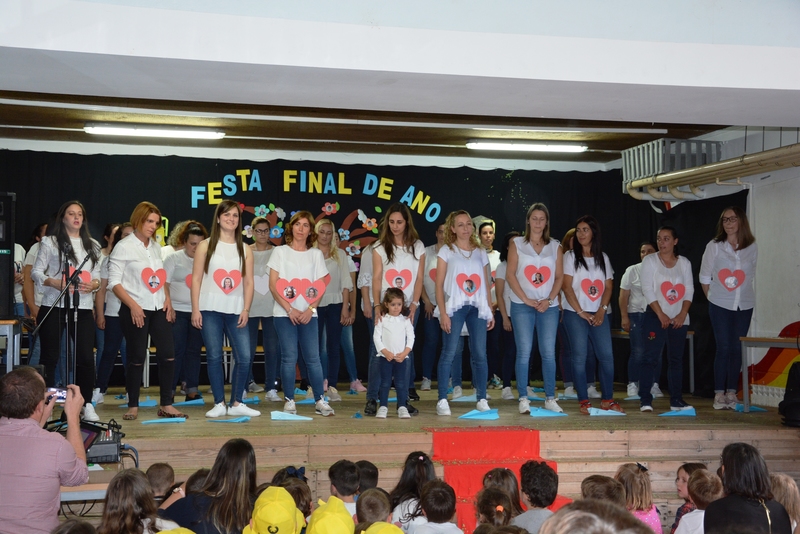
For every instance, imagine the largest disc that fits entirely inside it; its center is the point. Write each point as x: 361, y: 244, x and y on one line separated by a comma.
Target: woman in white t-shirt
x: 145, y: 311
x: 486, y: 234
x: 333, y: 311
x: 399, y: 261
x: 463, y: 282
x: 535, y: 264
x: 297, y: 279
x: 222, y: 293
x: 188, y: 339
x: 430, y: 323
x: 503, y: 295
x: 727, y: 276
x: 69, y: 240
x: 668, y: 290
x: 32, y: 293
x: 588, y: 284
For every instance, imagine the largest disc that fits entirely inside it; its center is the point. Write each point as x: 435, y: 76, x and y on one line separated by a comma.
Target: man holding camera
x: 35, y: 463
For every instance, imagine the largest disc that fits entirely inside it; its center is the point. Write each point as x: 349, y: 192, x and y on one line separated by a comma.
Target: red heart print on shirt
x: 673, y: 293
x: 432, y: 274
x: 188, y: 281
x: 494, y: 273
x: 291, y: 289
x: 731, y: 280
x: 398, y: 279
x: 593, y: 288
x: 85, y: 276
x: 227, y: 280
x: 537, y: 276
x: 469, y: 284
x: 154, y: 280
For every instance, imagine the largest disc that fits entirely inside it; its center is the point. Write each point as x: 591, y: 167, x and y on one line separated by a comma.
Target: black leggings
x: 50, y: 335
x: 160, y: 331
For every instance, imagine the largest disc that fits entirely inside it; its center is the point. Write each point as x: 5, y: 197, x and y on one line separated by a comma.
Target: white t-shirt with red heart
x: 364, y: 278
x: 179, y: 277
x: 669, y: 286
x: 263, y: 301
x: 465, y: 283
x: 300, y: 277
x: 429, y: 280
x: 730, y: 275
x: 536, y: 272
x: 402, y: 272
x: 112, y: 303
x: 222, y: 290
x: 140, y: 270
x: 340, y: 279
x: 588, y: 284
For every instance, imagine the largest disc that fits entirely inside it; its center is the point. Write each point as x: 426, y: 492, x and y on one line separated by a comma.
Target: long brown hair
x: 224, y: 207
x: 57, y: 229
x: 231, y: 484
x: 410, y: 235
x: 546, y: 233
x: 450, y: 236
x: 129, y: 501
x: 745, y: 237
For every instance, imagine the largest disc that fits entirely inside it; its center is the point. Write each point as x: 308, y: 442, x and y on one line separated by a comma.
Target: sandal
x: 585, y: 405
x: 130, y: 416
x: 162, y: 413
x: 612, y: 405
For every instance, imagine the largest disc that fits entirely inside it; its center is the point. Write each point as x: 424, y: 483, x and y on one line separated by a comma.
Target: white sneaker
x: 272, y: 396
x: 731, y: 399
x: 426, y: 384
x: 289, y: 406
x: 552, y: 405
x: 482, y: 406
x: 333, y: 395
x: 593, y: 393
x: 655, y: 391
x: 633, y: 389
x: 402, y: 413
x: 89, y: 414
x: 569, y: 391
x: 97, y: 397
x: 645, y: 408
x: 323, y: 408
x: 531, y: 394
x: 219, y: 410
x: 524, y: 405
x: 720, y: 402
x: 383, y: 411
x: 243, y: 409
x: 252, y: 387
x: 442, y: 407
x: 507, y: 394
x: 457, y: 392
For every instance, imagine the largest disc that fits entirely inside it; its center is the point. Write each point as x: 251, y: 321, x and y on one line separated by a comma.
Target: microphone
x: 66, y: 248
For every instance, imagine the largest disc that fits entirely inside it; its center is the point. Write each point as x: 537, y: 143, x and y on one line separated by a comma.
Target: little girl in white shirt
x: 394, y: 339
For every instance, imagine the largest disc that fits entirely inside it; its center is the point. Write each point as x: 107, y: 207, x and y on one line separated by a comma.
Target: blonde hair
x: 784, y: 490
x: 450, y: 236
x: 636, y: 481
x: 334, y: 237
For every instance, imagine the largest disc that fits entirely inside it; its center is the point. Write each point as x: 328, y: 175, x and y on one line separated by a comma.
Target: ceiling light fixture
x: 150, y: 130
x: 525, y: 147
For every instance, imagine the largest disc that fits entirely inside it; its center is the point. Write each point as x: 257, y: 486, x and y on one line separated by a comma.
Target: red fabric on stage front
x: 482, y: 444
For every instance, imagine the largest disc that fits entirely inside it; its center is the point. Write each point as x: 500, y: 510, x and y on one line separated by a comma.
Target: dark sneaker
x: 371, y: 408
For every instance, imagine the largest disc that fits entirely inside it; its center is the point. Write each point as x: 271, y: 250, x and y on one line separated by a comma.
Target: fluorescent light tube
x: 146, y: 130
x: 525, y: 147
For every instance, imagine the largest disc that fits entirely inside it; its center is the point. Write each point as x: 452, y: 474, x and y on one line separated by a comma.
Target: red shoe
x: 612, y: 405
x: 585, y: 405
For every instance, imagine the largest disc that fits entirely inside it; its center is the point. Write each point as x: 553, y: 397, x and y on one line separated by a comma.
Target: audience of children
x: 130, y: 508
x: 368, y: 475
x: 639, y: 495
x: 493, y: 506
x: 539, y: 489
x: 162, y: 478
x: 681, y: 482
x: 438, y: 503
x: 784, y: 490
x: 603, y: 488
x: 504, y: 478
x: 344, y: 479
x: 373, y: 506
x: 704, y: 487
x: 417, y: 471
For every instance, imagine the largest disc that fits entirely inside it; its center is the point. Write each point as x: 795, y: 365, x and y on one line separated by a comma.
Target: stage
x: 576, y: 445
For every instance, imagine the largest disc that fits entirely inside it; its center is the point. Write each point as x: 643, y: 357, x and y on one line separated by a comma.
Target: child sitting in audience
x: 604, y: 488
x: 504, y: 479
x: 784, y: 490
x: 438, y: 503
x: 373, y: 505
x: 417, y: 471
x: 331, y: 518
x: 639, y: 495
x: 368, y: 475
x: 301, y: 494
x: 539, y: 489
x: 275, y: 513
x: 344, y: 477
x: 704, y: 487
x: 681, y: 480
x: 493, y: 506
x: 161, y: 477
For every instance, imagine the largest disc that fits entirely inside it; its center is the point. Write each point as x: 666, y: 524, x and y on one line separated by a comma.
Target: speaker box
x: 8, y: 203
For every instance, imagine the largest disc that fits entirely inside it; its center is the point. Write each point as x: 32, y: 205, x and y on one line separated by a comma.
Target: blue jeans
x: 114, y: 342
x: 494, y: 359
x: 411, y: 372
x: 432, y: 334
x: 330, y: 332
x: 477, y: 348
x: 307, y: 335
x: 728, y: 327
x: 400, y: 373
x: 565, y: 357
x: 580, y: 335
x: 188, y: 346
x: 272, y: 350
x: 655, y: 338
x: 637, y: 338
x: 349, y: 353
x: 374, y: 365
x: 216, y: 326
x: 526, y: 320
x: 509, y: 354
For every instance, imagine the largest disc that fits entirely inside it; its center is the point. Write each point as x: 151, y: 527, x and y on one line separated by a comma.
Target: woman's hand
x: 305, y: 317
x: 170, y: 311
x: 377, y: 315
x: 626, y: 323
x: 663, y: 319
x: 444, y: 323
x: 542, y: 306
x: 100, y: 321
x: 588, y: 317
x: 678, y: 321
x: 490, y: 323
x: 244, y: 318
x: 137, y: 315
x: 197, y: 320
x: 598, y: 317
x: 367, y: 310
x: 344, y: 318
x: 507, y: 324
x: 85, y: 287
x: 412, y: 310
x: 429, y: 307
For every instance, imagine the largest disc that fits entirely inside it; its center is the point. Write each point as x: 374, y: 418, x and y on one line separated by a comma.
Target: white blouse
x: 222, y: 289
x: 500, y: 274
x: 429, y: 280
x: 340, y: 279
x: 494, y: 261
x: 263, y: 301
x: 140, y: 271
x: 730, y: 275
x: 402, y: 272
x: 30, y: 259
x: 179, y: 277
x: 536, y: 272
x: 632, y: 281
x: 49, y: 264
x: 465, y: 283
x: 395, y: 334
x: 300, y: 277
x: 19, y: 261
x: 669, y: 286
x: 112, y: 302
x: 588, y: 285
x: 365, y: 274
